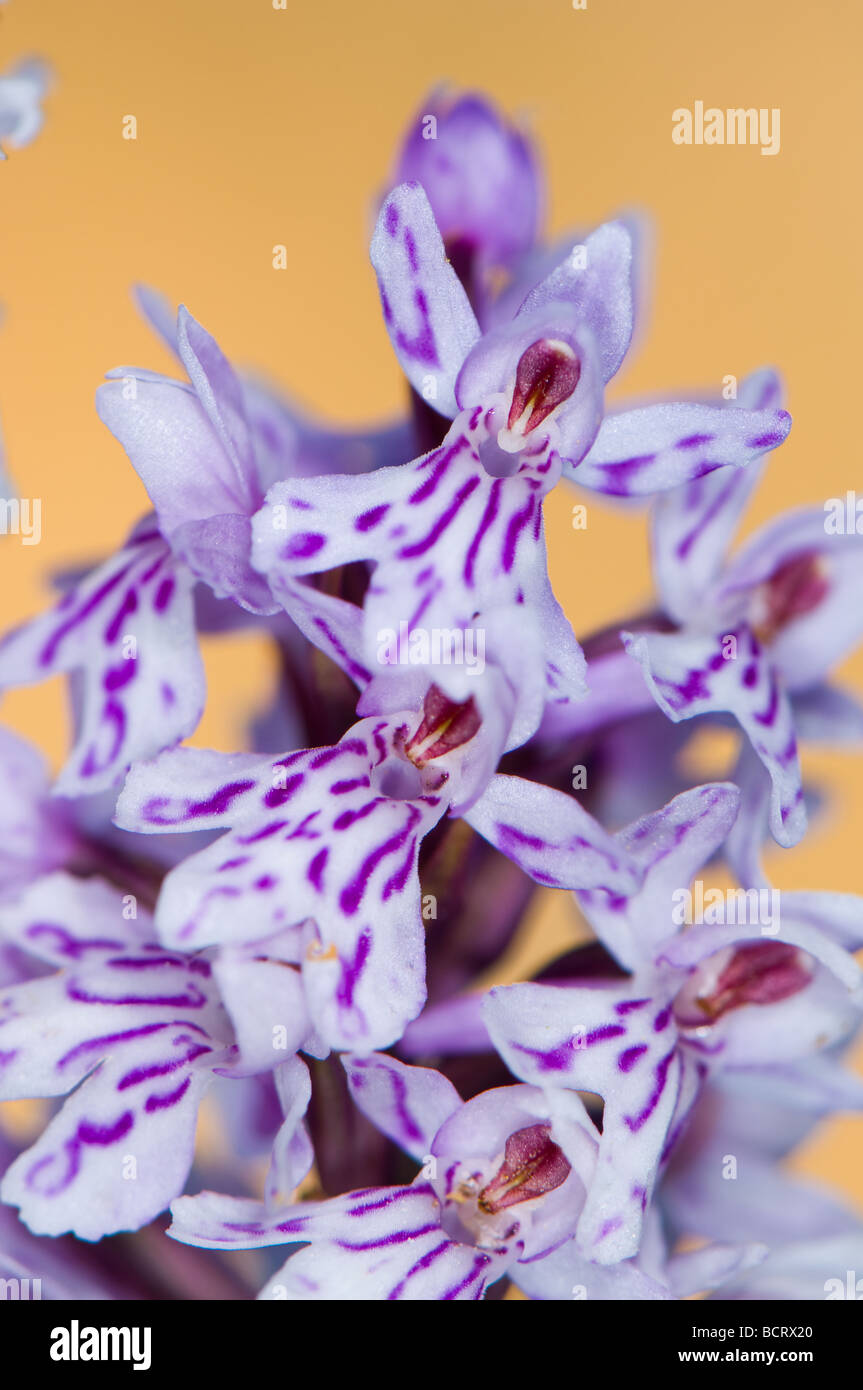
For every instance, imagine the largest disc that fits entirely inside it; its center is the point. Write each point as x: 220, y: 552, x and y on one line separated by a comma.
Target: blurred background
x: 259, y: 127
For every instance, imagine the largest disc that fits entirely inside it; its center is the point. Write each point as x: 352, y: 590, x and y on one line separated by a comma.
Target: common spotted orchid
x: 325, y: 843
x: 753, y: 631
x: 460, y: 531
x: 130, y: 1032
x: 205, y: 449
x: 332, y: 960
x: 504, y: 1177
x: 721, y: 994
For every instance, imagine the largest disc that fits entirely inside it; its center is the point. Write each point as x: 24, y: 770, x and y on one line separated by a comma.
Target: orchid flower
x: 324, y: 844
x: 753, y: 631
x: 256, y: 931
x: 286, y: 440
x: 129, y: 626
x: 718, y: 995
x: 538, y: 380
x: 137, y: 1034
x: 459, y: 531
x: 503, y: 1180
x: 453, y: 550
x: 130, y: 1032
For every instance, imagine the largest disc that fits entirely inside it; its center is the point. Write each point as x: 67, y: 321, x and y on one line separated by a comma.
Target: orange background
x: 258, y: 126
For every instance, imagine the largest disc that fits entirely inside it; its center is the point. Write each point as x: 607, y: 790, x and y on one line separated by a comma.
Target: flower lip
x: 547, y: 374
